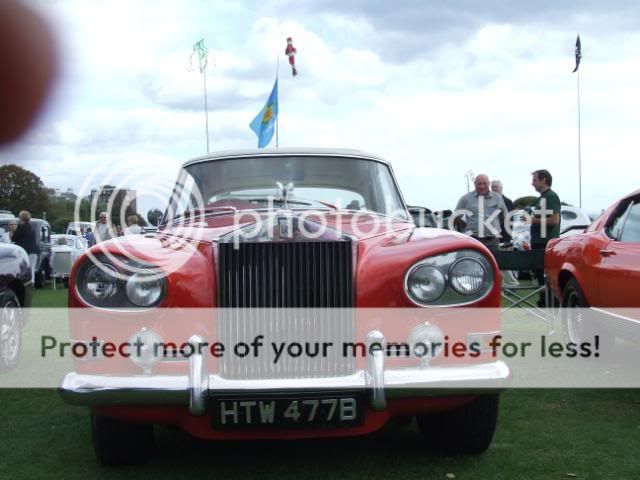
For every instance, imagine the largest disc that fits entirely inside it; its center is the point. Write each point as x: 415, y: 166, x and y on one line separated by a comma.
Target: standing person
x: 103, y: 230
x: 88, y: 235
x: 132, y: 226
x: 545, y: 223
x: 25, y: 237
x: 496, y: 186
x: 482, y: 209
x: 547, y: 226
x: 7, y: 236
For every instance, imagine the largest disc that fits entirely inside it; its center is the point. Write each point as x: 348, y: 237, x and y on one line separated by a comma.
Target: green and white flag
x: 202, y: 52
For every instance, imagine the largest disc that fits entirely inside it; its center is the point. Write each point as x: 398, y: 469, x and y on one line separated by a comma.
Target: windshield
x: 305, y: 182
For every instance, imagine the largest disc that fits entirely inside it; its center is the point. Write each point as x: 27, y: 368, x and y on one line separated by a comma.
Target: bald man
x: 481, y: 210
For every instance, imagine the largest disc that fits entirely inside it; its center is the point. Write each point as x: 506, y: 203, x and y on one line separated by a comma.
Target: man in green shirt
x: 545, y: 222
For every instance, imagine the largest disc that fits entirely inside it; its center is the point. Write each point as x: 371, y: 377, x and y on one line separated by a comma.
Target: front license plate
x: 286, y: 411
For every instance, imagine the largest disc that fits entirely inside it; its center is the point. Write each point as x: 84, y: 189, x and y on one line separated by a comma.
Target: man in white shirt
x: 103, y: 230
x: 132, y: 226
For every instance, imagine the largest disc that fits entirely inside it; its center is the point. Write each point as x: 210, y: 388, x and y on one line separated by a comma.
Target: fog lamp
x: 426, y: 342
x: 145, y: 349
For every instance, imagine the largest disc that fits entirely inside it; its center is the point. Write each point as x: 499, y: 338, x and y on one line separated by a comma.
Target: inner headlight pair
x: 453, y: 278
x: 103, y: 286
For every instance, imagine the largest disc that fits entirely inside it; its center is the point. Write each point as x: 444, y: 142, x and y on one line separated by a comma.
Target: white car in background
x: 65, y: 250
x: 74, y: 228
x: 572, y: 221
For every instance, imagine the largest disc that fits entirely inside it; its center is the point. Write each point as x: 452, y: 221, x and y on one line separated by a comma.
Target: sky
x: 437, y: 88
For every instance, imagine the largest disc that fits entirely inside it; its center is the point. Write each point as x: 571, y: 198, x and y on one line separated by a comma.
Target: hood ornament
x: 283, y: 193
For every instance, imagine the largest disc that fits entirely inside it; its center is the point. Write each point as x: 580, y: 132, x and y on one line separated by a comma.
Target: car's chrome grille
x: 289, y: 292
x: 285, y: 275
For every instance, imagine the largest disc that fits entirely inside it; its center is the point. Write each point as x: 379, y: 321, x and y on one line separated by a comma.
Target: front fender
x: 384, y: 261
x: 188, y: 267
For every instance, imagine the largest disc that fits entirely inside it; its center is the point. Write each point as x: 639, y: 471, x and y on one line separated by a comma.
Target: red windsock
x: 291, y: 51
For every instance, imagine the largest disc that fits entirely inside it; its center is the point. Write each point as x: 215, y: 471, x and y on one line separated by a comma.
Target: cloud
x: 403, y: 31
x: 437, y: 88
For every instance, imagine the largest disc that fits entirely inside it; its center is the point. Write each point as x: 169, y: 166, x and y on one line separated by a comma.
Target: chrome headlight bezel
x: 454, y: 279
x: 438, y: 275
x: 107, y: 283
x: 121, y: 273
x: 445, y: 262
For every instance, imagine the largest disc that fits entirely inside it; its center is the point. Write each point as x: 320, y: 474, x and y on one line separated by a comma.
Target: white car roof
x: 273, y: 152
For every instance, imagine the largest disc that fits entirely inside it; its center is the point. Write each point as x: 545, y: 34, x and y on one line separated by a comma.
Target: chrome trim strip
x: 413, y: 382
x: 615, y: 315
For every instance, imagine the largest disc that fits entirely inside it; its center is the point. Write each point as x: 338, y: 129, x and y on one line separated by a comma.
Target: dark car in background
x: 15, y: 294
x: 42, y: 229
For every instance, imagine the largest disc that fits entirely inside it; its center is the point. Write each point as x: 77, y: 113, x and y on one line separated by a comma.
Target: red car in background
x: 600, y: 268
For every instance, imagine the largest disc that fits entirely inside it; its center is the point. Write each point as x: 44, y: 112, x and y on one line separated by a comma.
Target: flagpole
x: 206, y: 109
x: 278, y: 115
x: 579, y: 149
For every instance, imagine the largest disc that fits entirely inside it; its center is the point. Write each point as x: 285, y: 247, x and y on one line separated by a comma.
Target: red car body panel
x: 607, y: 271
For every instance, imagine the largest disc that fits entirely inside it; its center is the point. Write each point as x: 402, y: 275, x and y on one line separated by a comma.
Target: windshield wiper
x: 189, y: 213
x: 280, y: 201
x: 295, y: 201
x: 372, y: 212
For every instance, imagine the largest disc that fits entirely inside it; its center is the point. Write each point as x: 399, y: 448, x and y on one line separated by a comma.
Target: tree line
x: 21, y: 189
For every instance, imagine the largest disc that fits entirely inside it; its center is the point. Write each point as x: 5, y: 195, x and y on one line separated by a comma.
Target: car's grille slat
x: 282, y: 276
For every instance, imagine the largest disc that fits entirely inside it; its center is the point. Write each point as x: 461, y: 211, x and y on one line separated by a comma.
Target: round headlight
x: 100, y: 283
x: 426, y: 283
x: 145, y: 288
x: 467, y: 276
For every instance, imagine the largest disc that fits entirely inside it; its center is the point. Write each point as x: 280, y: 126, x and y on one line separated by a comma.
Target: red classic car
x: 293, y: 245
x: 600, y: 269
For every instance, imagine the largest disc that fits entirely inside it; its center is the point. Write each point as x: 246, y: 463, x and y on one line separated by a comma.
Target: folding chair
x: 522, y: 295
x: 61, y: 265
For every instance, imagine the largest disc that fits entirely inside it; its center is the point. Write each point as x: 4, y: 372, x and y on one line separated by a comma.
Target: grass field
x: 545, y: 434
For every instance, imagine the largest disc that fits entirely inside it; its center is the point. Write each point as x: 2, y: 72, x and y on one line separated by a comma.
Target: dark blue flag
x: 578, y: 54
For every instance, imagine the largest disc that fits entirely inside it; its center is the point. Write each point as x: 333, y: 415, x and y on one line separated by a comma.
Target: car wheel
x: 10, y: 331
x: 466, y: 430
x: 574, y: 322
x: 577, y: 325
x: 121, y: 443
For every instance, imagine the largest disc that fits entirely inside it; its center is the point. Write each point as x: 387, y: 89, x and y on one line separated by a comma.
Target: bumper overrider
x: 194, y: 389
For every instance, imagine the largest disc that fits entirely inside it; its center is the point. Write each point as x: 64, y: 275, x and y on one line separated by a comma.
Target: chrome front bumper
x: 192, y: 390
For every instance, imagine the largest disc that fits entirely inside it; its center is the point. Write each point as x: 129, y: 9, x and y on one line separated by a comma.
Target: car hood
x: 287, y: 225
